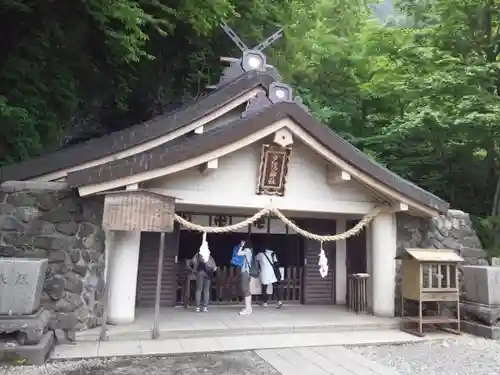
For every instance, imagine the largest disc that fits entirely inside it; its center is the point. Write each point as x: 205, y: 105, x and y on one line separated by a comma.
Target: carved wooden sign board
x: 138, y: 210
x: 273, y: 170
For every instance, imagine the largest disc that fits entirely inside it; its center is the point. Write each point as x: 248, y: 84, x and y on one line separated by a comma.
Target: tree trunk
x: 495, y: 208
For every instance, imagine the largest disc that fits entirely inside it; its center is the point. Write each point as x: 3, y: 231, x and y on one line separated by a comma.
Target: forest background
x: 415, y: 83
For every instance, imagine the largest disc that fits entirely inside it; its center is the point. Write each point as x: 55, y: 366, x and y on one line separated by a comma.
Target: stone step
x: 207, y: 329
x: 172, y: 346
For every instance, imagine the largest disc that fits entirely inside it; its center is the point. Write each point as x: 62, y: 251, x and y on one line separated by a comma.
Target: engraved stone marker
x: 482, y: 284
x: 21, y: 283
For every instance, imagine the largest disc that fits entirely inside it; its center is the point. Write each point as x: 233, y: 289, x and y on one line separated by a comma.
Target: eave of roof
x: 190, y: 147
x: 137, y: 134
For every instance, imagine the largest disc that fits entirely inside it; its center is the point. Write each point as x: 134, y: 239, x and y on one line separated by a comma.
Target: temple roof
x: 185, y: 148
x: 136, y: 134
x: 143, y: 151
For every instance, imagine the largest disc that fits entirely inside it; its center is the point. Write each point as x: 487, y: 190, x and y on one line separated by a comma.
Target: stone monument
x: 24, y: 334
x: 481, y: 305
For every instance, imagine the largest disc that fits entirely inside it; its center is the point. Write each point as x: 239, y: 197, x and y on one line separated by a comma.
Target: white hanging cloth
x: 323, y: 262
x: 204, y: 250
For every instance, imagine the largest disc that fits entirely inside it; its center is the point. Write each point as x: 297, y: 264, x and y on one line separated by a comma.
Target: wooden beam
x: 283, y: 137
x: 228, y: 59
x: 132, y: 187
x: 335, y: 175
x: 103, y: 334
x: 209, y: 166
x: 155, y: 331
x: 400, y: 207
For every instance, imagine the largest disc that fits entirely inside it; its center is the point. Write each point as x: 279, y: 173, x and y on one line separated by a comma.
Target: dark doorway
x: 356, y: 254
x: 225, y: 287
x: 318, y: 290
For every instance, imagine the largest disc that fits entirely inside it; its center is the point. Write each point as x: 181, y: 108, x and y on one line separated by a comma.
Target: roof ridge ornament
x: 251, y: 59
x: 254, y: 59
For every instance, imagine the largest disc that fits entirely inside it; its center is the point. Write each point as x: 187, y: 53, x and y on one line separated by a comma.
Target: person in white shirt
x: 269, y: 275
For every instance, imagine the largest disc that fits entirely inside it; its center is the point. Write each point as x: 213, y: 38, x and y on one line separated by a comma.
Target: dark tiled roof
x: 189, y: 147
x: 137, y: 134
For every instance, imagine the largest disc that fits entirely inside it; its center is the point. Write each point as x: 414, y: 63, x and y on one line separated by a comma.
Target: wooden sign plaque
x: 138, y: 210
x: 273, y: 170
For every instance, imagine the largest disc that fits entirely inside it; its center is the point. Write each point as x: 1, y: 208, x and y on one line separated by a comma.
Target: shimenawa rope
x: 321, y: 238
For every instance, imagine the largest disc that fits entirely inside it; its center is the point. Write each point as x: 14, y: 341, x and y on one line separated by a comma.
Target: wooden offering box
x: 430, y: 275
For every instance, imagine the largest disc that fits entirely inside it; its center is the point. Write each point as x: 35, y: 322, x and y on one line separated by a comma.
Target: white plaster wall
x: 234, y: 182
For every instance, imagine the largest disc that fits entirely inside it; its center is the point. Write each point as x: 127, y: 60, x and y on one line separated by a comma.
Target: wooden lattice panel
x: 138, y: 210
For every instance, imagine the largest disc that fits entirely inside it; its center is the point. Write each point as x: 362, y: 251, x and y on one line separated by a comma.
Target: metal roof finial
x: 252, y: 58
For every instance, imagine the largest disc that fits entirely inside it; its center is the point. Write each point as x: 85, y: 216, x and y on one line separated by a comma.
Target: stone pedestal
x: 483, y: 314
x: 13, y: 353
x: 482, y: 284
x: 28, y: 329
x: 481, y: 330
x: 26, y: 338
x: 480, y: 311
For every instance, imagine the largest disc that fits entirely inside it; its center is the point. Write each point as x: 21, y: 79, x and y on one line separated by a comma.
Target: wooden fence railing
x: 226, y: 286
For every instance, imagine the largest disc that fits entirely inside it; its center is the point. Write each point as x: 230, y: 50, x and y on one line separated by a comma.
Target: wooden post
x: 103, y: 336
x: 161, y: 250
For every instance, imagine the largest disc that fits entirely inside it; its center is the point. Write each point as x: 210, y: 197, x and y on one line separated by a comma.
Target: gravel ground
x: 465, y: 355
x: 243, y: 363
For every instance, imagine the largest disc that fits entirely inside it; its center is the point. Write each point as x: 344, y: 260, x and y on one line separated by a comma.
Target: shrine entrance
x: 268, y: 233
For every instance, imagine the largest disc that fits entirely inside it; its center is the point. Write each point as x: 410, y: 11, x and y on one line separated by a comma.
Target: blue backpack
x: 236, y: 260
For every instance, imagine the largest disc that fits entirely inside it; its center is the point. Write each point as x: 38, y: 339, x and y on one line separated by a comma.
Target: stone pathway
x: 286, y: 361
x: 287, y: 354
x: 325, y: 360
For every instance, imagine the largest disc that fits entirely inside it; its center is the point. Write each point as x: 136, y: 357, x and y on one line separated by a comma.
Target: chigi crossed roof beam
x: 252, y: 58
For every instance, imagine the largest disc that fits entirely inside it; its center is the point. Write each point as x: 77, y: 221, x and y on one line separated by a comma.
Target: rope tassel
x: 323, y: 262
x: 204, y: 250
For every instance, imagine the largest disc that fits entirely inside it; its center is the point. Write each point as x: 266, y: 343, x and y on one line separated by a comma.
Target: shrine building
x: 246, y: 145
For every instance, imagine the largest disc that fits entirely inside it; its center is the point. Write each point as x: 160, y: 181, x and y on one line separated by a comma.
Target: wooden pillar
x: 161, y: 250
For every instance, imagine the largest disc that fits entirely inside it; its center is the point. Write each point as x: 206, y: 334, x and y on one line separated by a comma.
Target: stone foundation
x: 481, y: 330
x: 481, y: 306
x: 48, y: 220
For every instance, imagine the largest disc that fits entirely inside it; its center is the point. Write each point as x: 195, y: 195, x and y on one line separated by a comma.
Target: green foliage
x: 418, y: 93
x: 488, y: 229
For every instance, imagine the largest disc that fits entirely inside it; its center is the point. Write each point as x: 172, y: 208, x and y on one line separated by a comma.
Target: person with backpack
x: 270, y: 274
x: 248, y: 269
x: 204, y: 272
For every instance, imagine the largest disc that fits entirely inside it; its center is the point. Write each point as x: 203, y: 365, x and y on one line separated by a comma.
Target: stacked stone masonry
x: 451, y: 231
x: 48, y: 220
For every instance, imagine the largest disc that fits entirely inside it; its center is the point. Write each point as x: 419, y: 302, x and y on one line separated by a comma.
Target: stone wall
x: 48, y: 220
x: 451, y: 231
